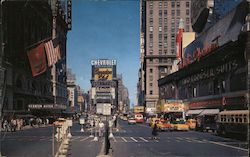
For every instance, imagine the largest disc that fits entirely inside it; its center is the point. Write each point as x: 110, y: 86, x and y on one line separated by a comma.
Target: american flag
x: 52, y: 51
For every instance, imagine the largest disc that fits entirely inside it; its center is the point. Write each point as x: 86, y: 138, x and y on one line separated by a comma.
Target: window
x: 151, y: 51
x: 165, y: 45
x: 165, y: 22
x: 178, y: 4
x: 165, y: 12
x: 151, y: 70
x: 187, y: 12
x: 160, y: 37
x: 160, y: 12
x: 165, y: 51
x: 187, y: 20
x: 187, y: 28
x: 160, y: 4
x: 151, y: 28
x: 151, y: 5
x: 151, y: 44
x: 160, y: 21
x: 178, y: 12
x: 150, y: 35
x: 151, y: 84
x: 160, y: 51
x: 187, y: 4
x: 160, y: 29
x: 151, y: 21
x: 172, y: 51
x: 150, y: 78
x: 172, y: 4
x: 151, y: 60
x: 151, y: 12
x: 165, y: 29
x: 150, y: 92
x: 172, y: 12
x: 165, y: 4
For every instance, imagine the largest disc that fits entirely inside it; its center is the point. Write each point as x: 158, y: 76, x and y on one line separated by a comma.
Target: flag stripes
x: 53, y: 52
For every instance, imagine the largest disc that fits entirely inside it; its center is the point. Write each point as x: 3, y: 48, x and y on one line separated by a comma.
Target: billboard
x: 103, y: 74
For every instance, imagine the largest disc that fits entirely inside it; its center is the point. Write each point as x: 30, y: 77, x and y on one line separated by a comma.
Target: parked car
x: 164, y: 125
x: 180, y: 125
x: 131, y: 121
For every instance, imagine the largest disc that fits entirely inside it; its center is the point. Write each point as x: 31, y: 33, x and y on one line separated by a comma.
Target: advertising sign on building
x: 103, y: 74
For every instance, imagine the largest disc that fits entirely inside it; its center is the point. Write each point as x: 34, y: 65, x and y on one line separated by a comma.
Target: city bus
x: 233, y: 122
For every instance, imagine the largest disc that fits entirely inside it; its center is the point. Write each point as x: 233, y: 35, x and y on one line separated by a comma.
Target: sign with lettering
x: 69, y: 12
x: 103, y: 62
x: 206, y: 103
x: 103, y: 73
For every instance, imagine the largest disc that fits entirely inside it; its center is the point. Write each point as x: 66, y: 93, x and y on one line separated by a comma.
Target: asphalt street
x: 128, y: 141
x: 33, y: 142
x: 136, y: 141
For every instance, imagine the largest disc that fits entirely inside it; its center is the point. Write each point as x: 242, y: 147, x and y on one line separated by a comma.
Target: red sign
x: 206, y: 103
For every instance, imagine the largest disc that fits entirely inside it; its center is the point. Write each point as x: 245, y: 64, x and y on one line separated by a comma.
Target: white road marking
x: 221, y: 144
x: 133, y: 139
x: 143, y: 139
x: 114, y: 139
x: 156, y: 141
x: 179, y: 138
x: 75, y: 138
x: 124, y: 139
x: 85, y: 138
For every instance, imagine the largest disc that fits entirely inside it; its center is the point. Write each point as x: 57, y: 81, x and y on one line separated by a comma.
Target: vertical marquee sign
x: 69, y: 12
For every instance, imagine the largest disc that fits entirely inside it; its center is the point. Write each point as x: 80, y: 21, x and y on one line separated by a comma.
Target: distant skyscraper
x: 159, y: 25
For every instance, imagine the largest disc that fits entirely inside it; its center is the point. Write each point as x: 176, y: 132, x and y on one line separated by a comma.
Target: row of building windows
x: 173, y: 4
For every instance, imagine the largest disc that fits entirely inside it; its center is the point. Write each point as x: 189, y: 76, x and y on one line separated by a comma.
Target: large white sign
x: 105, y: 62
x: 106, y: 109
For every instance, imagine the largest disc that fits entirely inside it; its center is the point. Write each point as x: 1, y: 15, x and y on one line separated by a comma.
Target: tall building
x: 25, y: 25
x: 72, y: 90
x: 104, y: 87
x: 123, y: 96
x: 159, y: 25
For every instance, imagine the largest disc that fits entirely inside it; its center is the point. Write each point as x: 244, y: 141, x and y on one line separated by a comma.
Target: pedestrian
x: 154, y: 132
x: 101, y: 129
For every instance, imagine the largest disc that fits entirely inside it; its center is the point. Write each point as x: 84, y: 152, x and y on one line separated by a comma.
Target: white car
x: 131, y: 121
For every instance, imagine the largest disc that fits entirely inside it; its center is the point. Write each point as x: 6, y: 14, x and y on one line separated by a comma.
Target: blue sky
x: 105, y: 29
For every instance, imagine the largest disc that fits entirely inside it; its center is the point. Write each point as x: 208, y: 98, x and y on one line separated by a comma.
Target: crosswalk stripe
x: 133, y: 139
x: 85, y: 138
x: 124, y: 139
x: 143, y: 139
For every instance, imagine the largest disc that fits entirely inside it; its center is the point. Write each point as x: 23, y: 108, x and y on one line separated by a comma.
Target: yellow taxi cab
x: 153, y: 121
x: 180, y: 125
x: 164, y: 125
x: 191, y: 123
x: 60, y: 121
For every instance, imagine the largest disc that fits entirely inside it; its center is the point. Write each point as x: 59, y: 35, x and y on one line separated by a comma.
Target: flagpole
x: 35, y: 44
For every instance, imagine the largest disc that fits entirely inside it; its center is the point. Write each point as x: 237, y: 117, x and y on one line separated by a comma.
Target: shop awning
x: 191, y: 112
x: 209, y: 112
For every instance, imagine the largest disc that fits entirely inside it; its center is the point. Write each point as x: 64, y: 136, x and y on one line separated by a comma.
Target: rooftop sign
x: 105, y: 62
